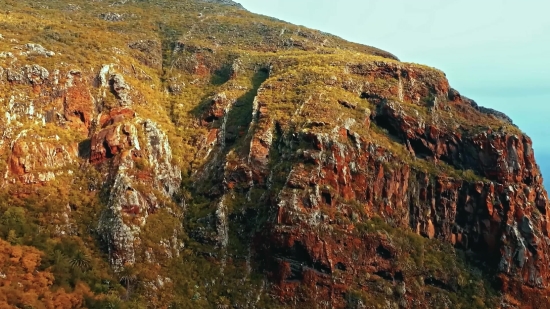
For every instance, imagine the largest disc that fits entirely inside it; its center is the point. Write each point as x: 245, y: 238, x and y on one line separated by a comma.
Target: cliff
x: 190, y: 154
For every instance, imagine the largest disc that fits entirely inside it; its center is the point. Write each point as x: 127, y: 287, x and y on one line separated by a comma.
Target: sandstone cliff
x: 180, y: 154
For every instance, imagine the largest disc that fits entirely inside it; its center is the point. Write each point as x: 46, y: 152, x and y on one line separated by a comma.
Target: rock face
x: 495, y: 220
x: 498, y: 211
x: 190, y: 154
x: 140, y: 169
x: 36, y: 161
x: 32, y: 49
x: 136, y: 170
x: 78, y: 106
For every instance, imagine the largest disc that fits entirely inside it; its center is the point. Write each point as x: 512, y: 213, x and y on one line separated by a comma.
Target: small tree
x: 81, y: 261
x: 128, y: 276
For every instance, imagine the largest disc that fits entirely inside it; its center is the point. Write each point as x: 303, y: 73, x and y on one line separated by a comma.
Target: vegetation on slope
x: 178, y: 55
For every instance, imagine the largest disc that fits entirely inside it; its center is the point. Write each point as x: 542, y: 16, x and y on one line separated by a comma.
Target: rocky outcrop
x: 501, y: 223
x: 498, y: 155
x: 139, y: 169
x: 498, y: 211
x: 134, y: 153
x: 139, y: 157
x: 166, y: 176
x: 121, y: 223
x: 78, y: 103
x: 38, y: 160
x: 112, y: 141
x: 110, y: 16
x: 36, y: 74
x: 14, y: 76
x: 120, y: 89
x: 33, y: 49
x: 36, y: 152
x: 390, y: 80
x: 216, y: 109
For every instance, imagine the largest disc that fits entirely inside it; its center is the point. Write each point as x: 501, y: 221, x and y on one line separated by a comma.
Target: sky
x: 495, y: 52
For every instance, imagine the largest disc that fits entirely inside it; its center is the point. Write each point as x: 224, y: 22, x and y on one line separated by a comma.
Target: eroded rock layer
x: 191, y: 154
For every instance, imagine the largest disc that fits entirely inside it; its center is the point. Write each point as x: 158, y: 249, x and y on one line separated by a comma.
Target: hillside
x: 191, y: 154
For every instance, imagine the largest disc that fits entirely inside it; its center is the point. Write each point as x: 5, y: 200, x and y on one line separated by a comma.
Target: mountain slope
x: 190, y: 154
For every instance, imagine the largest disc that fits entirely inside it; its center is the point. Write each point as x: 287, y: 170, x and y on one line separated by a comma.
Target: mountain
x: 191, y: 154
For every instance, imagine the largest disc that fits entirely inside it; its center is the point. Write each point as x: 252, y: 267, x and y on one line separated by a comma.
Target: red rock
x: 107, y: 143
x: 116, y: 115
x: 37, y: 160
x: 439, y: 203
x: 77, y: 106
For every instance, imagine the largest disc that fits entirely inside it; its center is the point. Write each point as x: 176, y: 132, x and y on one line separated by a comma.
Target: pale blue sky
x: 493, y: 51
